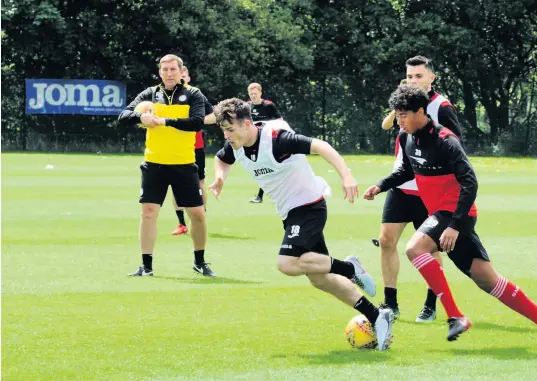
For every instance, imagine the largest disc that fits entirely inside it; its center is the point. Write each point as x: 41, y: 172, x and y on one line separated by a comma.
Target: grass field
x: 69, y: 237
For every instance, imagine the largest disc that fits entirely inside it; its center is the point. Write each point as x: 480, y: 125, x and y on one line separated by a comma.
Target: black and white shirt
x: 277, y: 162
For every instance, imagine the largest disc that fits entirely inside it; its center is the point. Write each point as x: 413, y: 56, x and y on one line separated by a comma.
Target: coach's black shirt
x: 182, y: 95
x: 284, y: 144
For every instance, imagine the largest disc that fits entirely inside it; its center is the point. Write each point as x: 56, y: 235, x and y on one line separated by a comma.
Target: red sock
x: 513, y: 297
x: 433, y: 274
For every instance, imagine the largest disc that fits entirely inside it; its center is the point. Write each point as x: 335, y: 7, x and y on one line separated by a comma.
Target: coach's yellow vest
x: 168, y: 145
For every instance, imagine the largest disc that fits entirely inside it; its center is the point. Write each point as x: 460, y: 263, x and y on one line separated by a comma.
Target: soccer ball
x: 145, y: 106
x: 360, y: 334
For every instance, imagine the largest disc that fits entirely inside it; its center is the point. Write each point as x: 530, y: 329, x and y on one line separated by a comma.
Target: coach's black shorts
x: 468, y: 245
x: 304, y: 227
x: 183, y: 178
x: 401, y: 207
x: 200, y: 162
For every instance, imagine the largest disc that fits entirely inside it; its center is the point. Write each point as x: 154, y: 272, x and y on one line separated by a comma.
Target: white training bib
x: 290, y: 183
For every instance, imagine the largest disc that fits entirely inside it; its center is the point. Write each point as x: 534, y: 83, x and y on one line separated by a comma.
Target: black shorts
x: 183, y: 178
x: 304, y: 227
x: 401, y: 207
x: 200, y: 162
x: 468, y: 245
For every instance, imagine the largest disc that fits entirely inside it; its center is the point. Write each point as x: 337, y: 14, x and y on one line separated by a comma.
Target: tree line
x: 330, y: 66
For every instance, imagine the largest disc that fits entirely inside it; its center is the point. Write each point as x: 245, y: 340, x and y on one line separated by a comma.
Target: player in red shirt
x: 448, y: 187
x: 403, y: 204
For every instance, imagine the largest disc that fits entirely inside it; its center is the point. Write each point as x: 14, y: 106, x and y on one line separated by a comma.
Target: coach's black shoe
x: 204, y: 269
x: 426, y: 315
x: 457, y: 326
x: 375, y: 242
x: 142, y: 271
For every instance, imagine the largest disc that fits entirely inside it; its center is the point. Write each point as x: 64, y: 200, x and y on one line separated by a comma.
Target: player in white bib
x: 275, y: 158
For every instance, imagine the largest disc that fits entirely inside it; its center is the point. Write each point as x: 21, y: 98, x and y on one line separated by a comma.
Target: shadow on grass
x: 409, y: 321
x: 344, y: 357
x: 479, y: 325
x: 207, y: 280
x: 487, y: 326
x: 224, y: 236
x: 512, y: 353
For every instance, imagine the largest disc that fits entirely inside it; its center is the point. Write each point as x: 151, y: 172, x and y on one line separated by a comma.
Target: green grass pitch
x: 69, y: 312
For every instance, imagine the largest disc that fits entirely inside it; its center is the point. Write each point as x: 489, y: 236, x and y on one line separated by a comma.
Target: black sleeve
x: 289, y: 143
x: 226, y: 154
x: 402, y: 174
x: 273, y: 111
x: 447, y: 117
x: 208, y: 106
x: 196, y: 114
x: 129, y: 116
x: 465, y: 175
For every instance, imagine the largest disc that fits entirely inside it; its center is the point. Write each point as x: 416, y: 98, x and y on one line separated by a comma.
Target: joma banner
x: 74, y: 96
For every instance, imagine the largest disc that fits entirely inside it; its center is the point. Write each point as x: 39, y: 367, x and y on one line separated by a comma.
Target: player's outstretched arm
x: 371, y: 192
x: 400, y: 176
x: 221, y: 170
x: 349, y: 184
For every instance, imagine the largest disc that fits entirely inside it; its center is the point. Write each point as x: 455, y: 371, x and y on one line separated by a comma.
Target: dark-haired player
x: 403, y: 204
x: 275, y: 158
x: 433, y: 155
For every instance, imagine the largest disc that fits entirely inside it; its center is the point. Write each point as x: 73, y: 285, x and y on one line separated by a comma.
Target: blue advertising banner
x: 75, y: 96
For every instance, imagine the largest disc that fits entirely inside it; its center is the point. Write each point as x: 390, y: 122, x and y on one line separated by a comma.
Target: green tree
x: 485, y: 50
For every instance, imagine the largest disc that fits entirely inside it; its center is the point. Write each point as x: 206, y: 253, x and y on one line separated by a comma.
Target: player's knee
x: 387, y: 244
x: 197, y: 215
x: 285, y: 267
x: 308, y: 259
x: 413, y: 252
x: 150, y: 211
x: 318, y: 280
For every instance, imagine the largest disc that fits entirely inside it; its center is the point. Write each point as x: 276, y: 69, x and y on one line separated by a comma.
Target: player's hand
x: 216, y: 187
x: 371, y: 192
x: 160, y: 121
x: 350, y: 188
x: 148, y: 120
x: 448, y: 239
